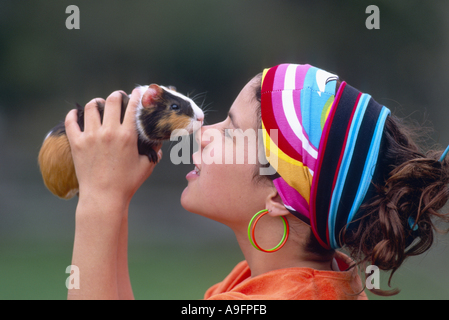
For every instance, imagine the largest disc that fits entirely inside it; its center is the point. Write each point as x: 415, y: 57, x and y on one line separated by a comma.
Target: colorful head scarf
x: 325, y: 145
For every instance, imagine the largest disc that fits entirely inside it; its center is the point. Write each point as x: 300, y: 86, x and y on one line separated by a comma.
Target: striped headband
x: 324, y: 145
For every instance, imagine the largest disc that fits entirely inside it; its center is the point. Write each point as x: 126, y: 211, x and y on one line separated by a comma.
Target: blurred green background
x: 202, y: 47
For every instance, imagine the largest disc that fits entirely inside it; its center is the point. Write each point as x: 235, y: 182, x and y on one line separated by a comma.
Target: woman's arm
x: 95, y: 250
x: 123, y: 281
x: 109, y: 170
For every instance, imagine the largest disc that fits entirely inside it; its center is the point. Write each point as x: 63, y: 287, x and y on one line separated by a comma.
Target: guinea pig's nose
x: 200, y: 116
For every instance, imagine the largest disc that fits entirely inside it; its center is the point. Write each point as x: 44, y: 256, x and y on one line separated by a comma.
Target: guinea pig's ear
x: 152, y: 95
x: 172, y: 88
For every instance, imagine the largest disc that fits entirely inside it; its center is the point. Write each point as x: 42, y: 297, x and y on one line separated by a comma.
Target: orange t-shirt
x: 289, y: 284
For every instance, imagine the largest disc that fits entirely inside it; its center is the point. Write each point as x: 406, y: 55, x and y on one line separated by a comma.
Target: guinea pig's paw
x: 152, y: 156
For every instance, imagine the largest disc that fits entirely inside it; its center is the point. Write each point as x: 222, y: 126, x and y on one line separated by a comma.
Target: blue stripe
x: 370, y: 164
x: 444, y: 154
x: 314, y: 100
x: 344, y: 167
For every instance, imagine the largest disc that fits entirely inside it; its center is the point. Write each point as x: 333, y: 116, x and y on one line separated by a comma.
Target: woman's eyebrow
x: 231, y: 116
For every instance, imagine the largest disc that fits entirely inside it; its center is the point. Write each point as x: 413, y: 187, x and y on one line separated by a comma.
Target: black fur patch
x: 154, y: 120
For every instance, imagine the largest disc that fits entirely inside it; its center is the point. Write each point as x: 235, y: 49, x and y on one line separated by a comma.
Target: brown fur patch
x: 175, y: 121
x: 57, y: 168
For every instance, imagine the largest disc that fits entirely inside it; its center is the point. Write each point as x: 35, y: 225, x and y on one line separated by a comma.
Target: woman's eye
x: 174, y: 107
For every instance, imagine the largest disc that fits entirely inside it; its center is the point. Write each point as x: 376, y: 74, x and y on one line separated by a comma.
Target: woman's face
x: 222, y: 186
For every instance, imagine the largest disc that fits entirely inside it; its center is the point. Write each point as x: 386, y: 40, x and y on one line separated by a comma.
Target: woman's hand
x: 109, y: 171
x: 105, y: 155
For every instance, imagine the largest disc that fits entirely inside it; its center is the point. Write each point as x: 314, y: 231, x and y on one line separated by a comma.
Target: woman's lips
x: 195, y: 173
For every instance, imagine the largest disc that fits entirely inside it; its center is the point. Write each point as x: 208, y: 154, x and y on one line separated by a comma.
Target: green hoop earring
x: 252, y: 227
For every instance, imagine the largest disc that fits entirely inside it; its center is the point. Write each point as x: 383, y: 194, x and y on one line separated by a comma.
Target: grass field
x: 37, y: 271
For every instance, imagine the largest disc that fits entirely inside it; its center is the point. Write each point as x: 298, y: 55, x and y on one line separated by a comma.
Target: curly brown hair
x: 399, y: 217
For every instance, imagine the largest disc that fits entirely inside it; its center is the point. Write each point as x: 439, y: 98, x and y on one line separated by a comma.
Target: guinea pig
x: 161, y: 110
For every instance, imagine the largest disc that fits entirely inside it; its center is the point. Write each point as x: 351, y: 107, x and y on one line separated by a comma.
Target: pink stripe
x: 278, y: 115
x: 301, y: 73
x: 281, y: 120
x: 291, y: 146
x: 292, y: 198
x: 278, y: 83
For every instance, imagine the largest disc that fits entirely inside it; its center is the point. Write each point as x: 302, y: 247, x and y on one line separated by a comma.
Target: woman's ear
x: 275, y: 205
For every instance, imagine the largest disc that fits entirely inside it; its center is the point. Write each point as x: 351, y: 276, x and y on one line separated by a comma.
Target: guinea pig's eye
x: 174, y: 107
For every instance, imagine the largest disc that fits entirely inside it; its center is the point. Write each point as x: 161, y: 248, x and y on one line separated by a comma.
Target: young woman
x: 344, y: 173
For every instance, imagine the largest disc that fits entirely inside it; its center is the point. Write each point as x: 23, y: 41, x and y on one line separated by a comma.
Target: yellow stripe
x: 276, y: 150
x: 294, y: 172
x: 264, y: 73
x: 326, y: 109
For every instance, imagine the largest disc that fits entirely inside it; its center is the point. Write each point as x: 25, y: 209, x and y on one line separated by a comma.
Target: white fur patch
x: 196, y: 110
x: 139, y: 113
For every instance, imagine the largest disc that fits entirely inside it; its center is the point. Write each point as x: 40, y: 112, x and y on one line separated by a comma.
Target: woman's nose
x: 202, y: 137
x: 199, y: 136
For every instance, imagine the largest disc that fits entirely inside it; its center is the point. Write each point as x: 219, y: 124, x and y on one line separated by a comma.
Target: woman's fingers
x: 113, y: 109
x: 92, y: 119
x: 130, y: 114
x: 71, y: 124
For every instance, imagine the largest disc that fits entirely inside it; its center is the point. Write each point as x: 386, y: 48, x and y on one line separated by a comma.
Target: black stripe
x: 299, y: 216
x: 358, y: 160
x: 335, y: 141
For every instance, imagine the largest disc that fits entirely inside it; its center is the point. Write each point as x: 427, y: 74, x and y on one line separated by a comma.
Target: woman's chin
x: 187, y: 201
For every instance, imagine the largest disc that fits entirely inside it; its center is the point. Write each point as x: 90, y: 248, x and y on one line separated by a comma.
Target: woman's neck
x: 291, y: 255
